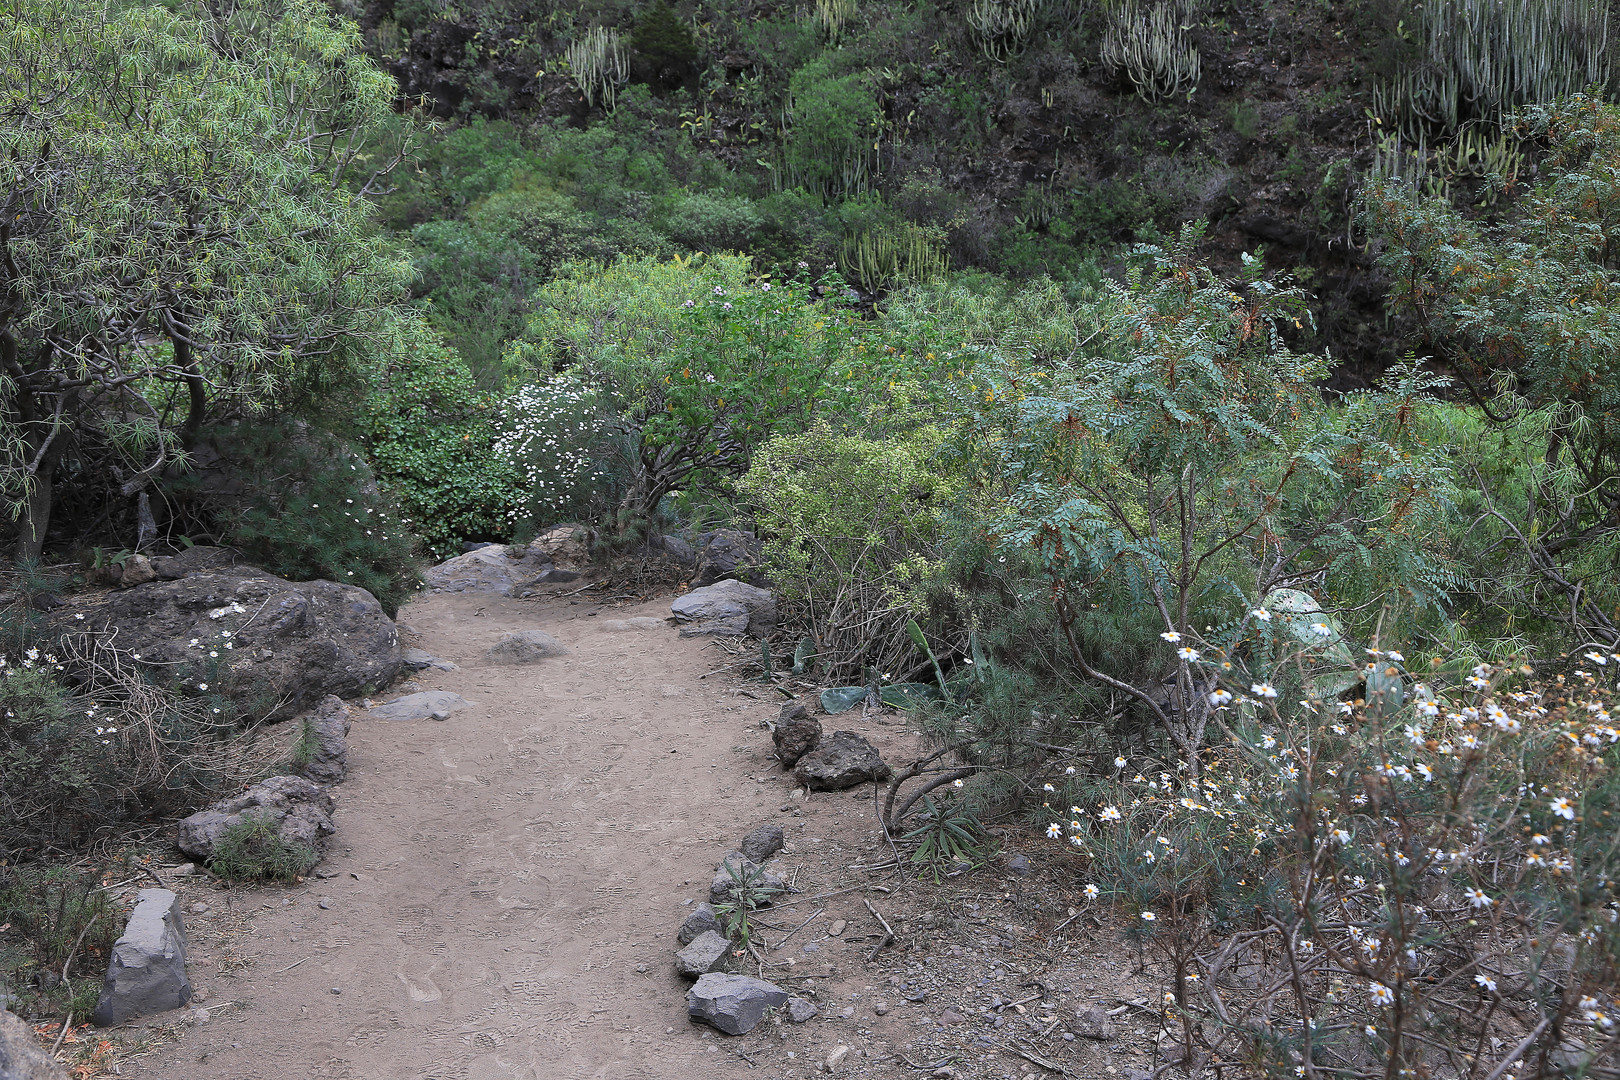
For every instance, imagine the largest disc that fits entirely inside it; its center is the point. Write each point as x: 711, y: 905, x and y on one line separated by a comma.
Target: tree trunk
x: 35, y: 519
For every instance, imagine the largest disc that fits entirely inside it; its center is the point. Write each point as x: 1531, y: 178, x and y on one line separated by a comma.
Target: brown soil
x: 504, y: 888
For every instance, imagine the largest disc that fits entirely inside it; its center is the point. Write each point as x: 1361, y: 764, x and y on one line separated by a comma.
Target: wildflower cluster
x: 553, y: 436
x: 1399, y: 879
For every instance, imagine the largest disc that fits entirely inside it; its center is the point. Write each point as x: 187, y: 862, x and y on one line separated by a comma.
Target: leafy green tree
x: 700, y: 361
x: 180, y: 236
x: 1188, y: 469
x: 1526, y: 311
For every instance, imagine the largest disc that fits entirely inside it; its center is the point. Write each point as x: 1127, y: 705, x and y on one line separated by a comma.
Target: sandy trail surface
x: 501, y: 897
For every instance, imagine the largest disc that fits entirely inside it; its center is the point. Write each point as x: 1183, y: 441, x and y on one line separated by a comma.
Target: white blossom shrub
x: 560, y: 443
x: 1417, y: 880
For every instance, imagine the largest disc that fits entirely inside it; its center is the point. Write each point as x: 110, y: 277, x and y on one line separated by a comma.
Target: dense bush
x: 1422, y: 879
x: 307, y: 506
x: 1523, y: 310
x: 82, y: 758
x: 853, y: 528
x: 428, y: 432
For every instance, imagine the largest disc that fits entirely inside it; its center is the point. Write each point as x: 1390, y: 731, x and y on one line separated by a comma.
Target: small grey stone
x: 733, y: 1003
x: 198, y: 908
x: 795, y: 735
x: 730, y: 626
x: 525, y: 647
x: 701, y: 921
x: 762, y: 843
x: 766, y: 883
x: 147, y: 972
x: 800, y: 1010
x: 421, y: 659
x: 137, y: 571
x: 428, y: 705
x: 847, y: 1012
x: 327, y: 728
x: 1093, y: 1022
x: 881, y: 1008
x: 707, y: 952
x: 1019, y: 865
x: 730, y: 600
x: 299, y: 808
x: 324, y: 904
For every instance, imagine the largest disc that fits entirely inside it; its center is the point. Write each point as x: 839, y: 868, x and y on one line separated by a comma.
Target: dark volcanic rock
x: 147, y: 972
x: 840, y: 762
x: 281, y: 646
x: 21, y: 1056
x: 797, y: 733
x: 328, y: 725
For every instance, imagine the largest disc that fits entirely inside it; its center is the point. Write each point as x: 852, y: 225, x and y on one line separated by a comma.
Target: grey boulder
x: 276, y: 640
x: 840, y: 762
x: 147, y: 973
x: 795, y: 735
x: 702, y: 920
x: 427, y: 705
x: 733, y: 603
x: 21, y: 1057
x: 192, y: 560
x: 762, y: 843
x: 733, y: 1003
x: 497, y: 569
x: 738, y: 868
x: 525, y: 647
x: 726, y: 553
x: 705, y: 953
x: 298, y: 808
x: 326, y: 738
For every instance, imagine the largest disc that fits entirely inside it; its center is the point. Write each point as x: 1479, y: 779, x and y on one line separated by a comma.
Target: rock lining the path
x: 766, y: 883
x: 499, y: 569
x: 796, y: 734
x: 426, y: 705
x: 702, y: 920
x: 421, y: 660
x: 707, y: 952
x: 735, y: 1004
x: 300, y: 809
x: 147, y: 972
x: 763, y: 842
x: 21, y: 1057
x: 726, y: 553
x: 729, y: 607
x: 840, y: 762
x: 290, y: 642
x: 328, y: 731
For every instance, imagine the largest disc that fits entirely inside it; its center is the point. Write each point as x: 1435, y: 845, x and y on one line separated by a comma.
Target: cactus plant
x: 1002, y: 27
x: 1153, y: 48
x: 833, y: 15
x: 601, y: 64
x: 891, y: 258
x: 1482, y: 58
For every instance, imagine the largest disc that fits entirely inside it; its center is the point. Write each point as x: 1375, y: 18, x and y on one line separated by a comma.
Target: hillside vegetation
x: 1209, y: 412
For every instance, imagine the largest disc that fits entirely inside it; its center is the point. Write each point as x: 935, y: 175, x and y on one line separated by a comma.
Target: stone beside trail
x: 282, y: 641
x: 147, y: 972
x: 733, y: 1003
x: 299, y: 808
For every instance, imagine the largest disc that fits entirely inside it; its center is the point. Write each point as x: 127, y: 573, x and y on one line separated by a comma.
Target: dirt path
x: 505, y: 884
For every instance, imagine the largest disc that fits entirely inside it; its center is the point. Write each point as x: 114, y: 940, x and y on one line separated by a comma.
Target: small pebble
x: 881, y: 1008
x: 337, y: 989
x: 836, y: 928
x: 198, y: 908
x: 324, y: 904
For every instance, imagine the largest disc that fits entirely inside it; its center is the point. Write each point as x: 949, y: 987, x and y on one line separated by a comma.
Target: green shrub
x: 252, y: 850
x: 428, y: 433
x: 852, y: 529
x: 833, y: 125
x: 662, y: 51
x: 56, y: 919
x: 569, y: 453
x: 77, y: 762
x: 310, y: 508
x: 699, y: 361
